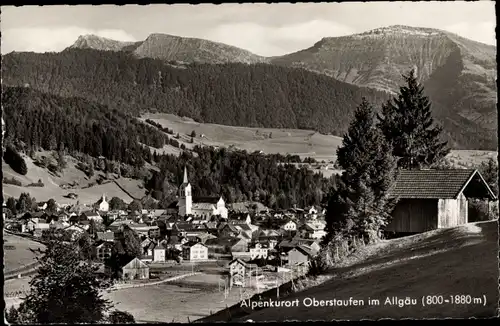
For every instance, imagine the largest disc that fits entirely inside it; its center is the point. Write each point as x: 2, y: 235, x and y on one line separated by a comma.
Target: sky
x: 264, y: 29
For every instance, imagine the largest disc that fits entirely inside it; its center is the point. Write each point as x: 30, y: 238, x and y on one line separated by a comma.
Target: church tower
x: 185, y: 198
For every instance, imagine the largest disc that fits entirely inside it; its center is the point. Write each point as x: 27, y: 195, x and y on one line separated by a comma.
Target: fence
x: 123, y: 285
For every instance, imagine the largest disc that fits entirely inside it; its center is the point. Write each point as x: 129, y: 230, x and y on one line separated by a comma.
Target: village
x: 248, y: 248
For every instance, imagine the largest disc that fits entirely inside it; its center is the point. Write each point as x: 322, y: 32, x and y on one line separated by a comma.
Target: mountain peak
x: 92, y: 41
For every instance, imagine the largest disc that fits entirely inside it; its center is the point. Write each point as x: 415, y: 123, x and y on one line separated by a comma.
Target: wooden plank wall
x: 463, y: 209
x: 451, y: 212
x: 414, y: 215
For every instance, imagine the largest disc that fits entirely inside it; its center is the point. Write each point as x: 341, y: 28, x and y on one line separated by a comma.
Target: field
x: 70, y: 174
x: 457, y: 261
x: 305, y: 143
x: 194, y: 297
x: 292, y: 141
x: 21, y: 256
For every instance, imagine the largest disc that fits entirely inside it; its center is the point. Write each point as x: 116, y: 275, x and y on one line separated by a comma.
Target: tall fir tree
x: 360, y: 205
x: 407, y: 124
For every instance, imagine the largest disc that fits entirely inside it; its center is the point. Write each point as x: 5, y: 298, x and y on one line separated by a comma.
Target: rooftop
x: 440, y: 184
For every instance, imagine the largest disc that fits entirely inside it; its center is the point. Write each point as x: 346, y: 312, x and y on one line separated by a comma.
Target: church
x: 204, y: 207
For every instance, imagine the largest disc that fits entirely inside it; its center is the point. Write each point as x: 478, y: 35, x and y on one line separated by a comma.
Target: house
x: 194, y: 251
x: 89, y: 215
x: 148, y: 246
x: 118, y: 224
x: 270, y: 242
x: 227, y: 230
x: 203, y: 237
x: 244, y: 230
x: 38, y: 232
x: 313, y: 230
x: 259, y: 251
x: 174, y: 242
x: 226, y: 245
x: 237, y: 272
x: 287, y: 245
x: 240, y: 218
x: 102, y: 204
x: 299, y: 255
x: 75, y: 231
x: 154, y: 232
x: 135, y: 269
x: 434, y: 199
x: 160, y: 252
x: 103, y: 251
x: 157, y: 213
x: 63, y: 217
x: 142, y: 229
x: 290, y: 225
x: 211, y: 227
x: 108, y: 236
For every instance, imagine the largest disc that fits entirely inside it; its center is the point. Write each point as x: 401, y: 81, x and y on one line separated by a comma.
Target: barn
x: 135, y: 270
x: 434, y: 199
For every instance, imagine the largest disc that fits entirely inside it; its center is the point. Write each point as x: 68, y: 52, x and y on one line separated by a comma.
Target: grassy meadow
x: 456, y: 261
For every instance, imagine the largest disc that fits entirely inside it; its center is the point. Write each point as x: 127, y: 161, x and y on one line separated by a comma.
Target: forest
x: 35, y: 120
x: 239, y: 176
x: 259, y: 95
x: 40, y: 120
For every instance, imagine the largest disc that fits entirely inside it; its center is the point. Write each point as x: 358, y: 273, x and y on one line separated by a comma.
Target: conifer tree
x: 407, y: 124
x: 360, y: 205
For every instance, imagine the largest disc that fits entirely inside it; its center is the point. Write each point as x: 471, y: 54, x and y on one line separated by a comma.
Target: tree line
x: 256, y: 95
x: 40, y: 120
x: 239, y: 176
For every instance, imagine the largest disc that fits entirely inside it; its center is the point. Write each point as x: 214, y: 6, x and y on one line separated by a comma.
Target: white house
x: 159, y: 253
x: 194, y: 252
x: 289, y: 226
x: 259, y: 251
x: 314, y: 230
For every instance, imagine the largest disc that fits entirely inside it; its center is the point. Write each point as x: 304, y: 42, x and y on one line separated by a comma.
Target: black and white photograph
x: 252, y: 162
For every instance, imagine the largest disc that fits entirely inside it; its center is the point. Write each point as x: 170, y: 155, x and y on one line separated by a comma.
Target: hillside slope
x: 456, y: 261
x: 259, y: 95
x: 459, y: 75
x: 71, y: 175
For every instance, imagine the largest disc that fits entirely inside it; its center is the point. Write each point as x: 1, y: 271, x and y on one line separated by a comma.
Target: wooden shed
x: 136, y: 270
x: 433, y: 199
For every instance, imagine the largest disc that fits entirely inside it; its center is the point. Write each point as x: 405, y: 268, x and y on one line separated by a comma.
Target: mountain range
x: 459, y: 75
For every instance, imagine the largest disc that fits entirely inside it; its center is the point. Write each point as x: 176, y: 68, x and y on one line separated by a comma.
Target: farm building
x: 434, y: 199
x: 136, y: 270
x: 300, y: 255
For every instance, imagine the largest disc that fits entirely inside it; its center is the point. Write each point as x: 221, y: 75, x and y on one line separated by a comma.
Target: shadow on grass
x: 451, y: 262
x: 412, y: 247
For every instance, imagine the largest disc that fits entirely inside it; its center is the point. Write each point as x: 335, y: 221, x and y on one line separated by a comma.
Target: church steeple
x: 185, y: 181
x: 185, y: 199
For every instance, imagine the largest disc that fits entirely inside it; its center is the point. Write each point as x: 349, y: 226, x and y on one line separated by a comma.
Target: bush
x: 12, y: 181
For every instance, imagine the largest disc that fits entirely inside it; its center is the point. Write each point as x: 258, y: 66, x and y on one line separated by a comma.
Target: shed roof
x: 135, y: 264
x: 438, y: 184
